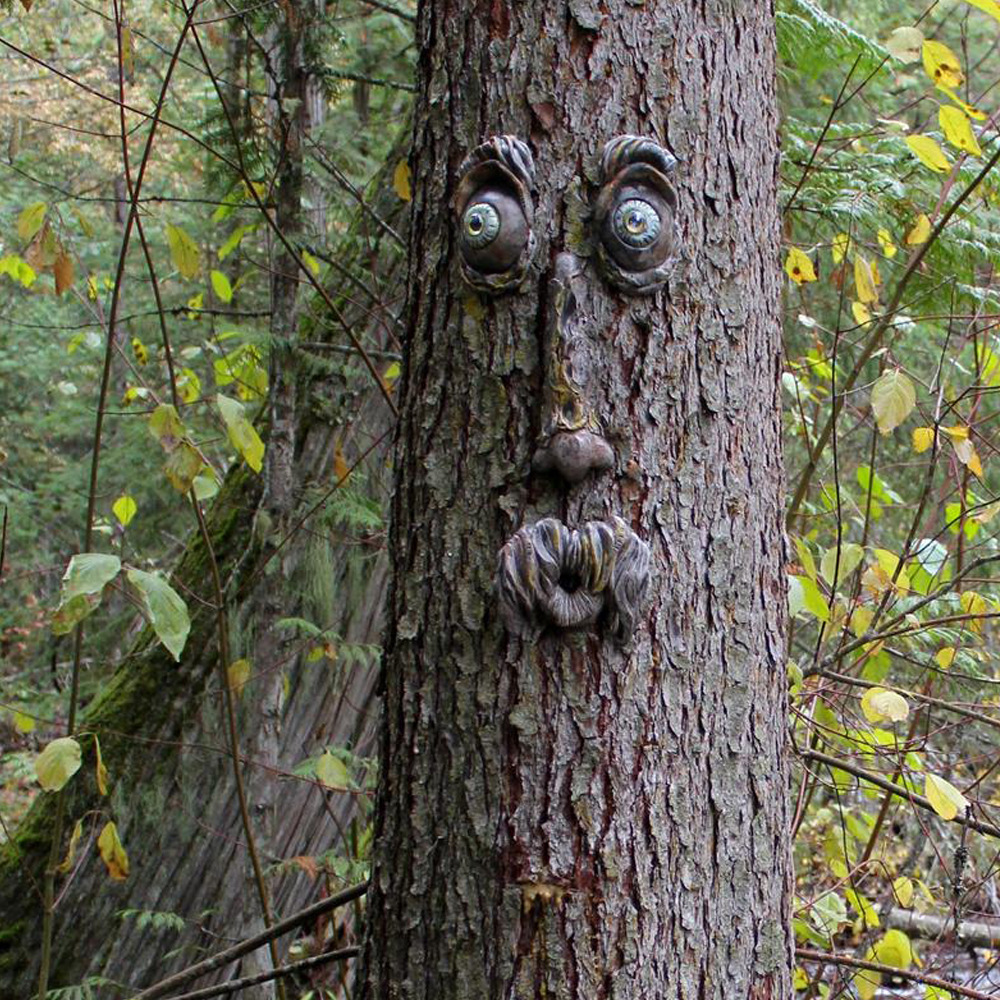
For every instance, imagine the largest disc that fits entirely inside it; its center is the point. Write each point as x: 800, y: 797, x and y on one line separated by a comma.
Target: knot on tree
x: 552, y: 575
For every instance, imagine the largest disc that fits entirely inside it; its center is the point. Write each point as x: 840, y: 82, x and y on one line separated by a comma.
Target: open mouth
x: 552, y: 575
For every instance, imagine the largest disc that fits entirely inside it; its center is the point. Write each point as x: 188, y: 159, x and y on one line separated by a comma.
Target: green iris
x: 636, y: 223
x: 480, y: 225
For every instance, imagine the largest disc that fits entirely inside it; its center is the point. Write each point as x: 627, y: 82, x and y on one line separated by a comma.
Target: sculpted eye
x: 636, y: 223
x: 635, y: 214
x: 481, y: 225
x: 493, y: 231
x: 493, y: 214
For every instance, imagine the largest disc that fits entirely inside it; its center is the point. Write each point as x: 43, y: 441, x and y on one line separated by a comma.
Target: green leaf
x: 220, y: 285
x: 805, y: 557
x: 332, y: 772
x: 803, y: 593
x: 86, y: 576
x: 234, y: 239
x: 163, y: 606
x: 241, y: 433
x: 184, y: 251
x: 166, y: 426
x: 893, y: 398
x: 57, y: 763
x: 851, y: 555
x: 89, y: 573
x: 30, y: 220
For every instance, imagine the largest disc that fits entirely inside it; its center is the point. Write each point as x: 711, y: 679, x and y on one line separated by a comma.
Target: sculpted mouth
x: 553, y: 575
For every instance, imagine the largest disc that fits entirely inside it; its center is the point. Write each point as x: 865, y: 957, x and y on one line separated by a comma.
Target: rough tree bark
x: 567, y: 818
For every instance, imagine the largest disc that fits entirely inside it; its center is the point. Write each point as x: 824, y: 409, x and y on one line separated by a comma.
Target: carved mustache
x: 549, y: 574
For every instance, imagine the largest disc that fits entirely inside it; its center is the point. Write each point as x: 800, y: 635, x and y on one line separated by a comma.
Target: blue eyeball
x: 480, y: 225
x: 636, y: 223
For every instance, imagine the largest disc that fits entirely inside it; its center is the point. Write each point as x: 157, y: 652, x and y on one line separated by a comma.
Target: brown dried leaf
x: 63, y: 271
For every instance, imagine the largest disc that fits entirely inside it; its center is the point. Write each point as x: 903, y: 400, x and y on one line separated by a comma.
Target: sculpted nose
x: 574, y: 454
x: 571, y: 444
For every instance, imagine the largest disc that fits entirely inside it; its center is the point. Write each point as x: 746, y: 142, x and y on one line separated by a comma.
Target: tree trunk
x: 570, y: 806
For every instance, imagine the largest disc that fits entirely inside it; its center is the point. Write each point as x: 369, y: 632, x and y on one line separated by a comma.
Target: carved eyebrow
x: 624, y: 150
x: 508, y: 151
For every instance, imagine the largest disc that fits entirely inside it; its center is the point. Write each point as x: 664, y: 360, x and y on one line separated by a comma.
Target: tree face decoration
x: 549, y: 574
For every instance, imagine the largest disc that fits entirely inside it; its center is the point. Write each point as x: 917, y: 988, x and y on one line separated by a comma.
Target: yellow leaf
x: 893, y: 948
x: 799, y: 267
x: 166, y: 426
x: 861, y: 618
x: 990, y: 7
x: 919, y: 233
x: 341, y: 470
x: 973, y: 604
x: 57, y: 763
x: 100, y: 771
x: 183, y: 466
x: 929, y: 153
x: 23, y: 723
x: 880, y: 705
x: 839, y: 247
x: 30, y: 220
x: 893, y: 398
x: 188, y: 385
x: 184, y: 251
x: 903, y: 889
x: 923, y: 438
x: 332, y: 772
x: 974, y: 465
x: 956, y: 433
x: 867, y: 984
x: 885, y: 242
x: 967, y: 108
x: 74, y: 839
x: 311, y: 262
x: 861, y: 312
x: 401, y: 180
x: 237, y: 675
x: 958, y: 130
x: 942, y: 64
x: 888, y: 563
x: 945, y: 657
x: 864, y: 281
x: 946, y: 799
x: 112, y: 853
x: 876, y: 277
x: 241, y: 432
x: 140, y: 351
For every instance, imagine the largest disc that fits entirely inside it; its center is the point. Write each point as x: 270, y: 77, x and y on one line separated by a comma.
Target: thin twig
x: 253, y: 943
x: 808, y: 955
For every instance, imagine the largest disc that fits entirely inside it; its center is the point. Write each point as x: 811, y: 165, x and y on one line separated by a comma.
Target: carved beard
x: 550, y: 574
